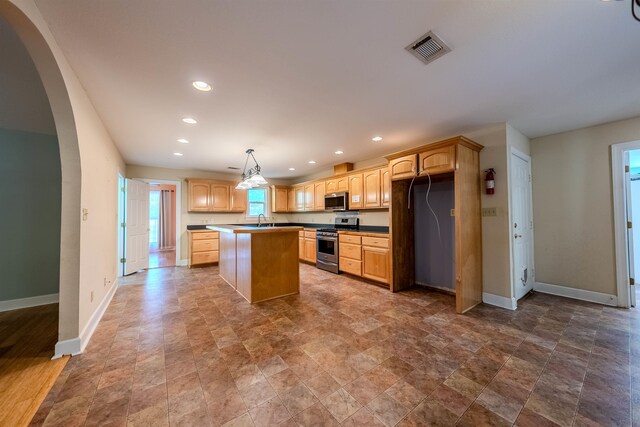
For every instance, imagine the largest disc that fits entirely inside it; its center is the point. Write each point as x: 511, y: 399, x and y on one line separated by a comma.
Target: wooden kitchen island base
x: 260, y: 263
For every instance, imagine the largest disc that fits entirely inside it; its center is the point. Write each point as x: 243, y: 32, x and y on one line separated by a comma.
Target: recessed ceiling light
x: 190, y: 120
x: 178, y: 154
x: 292, y: 169
x: 376, y: 138
x: 184, y: 141
x: 339, y: 152
x: 203, y: 86
x: 312, y: 162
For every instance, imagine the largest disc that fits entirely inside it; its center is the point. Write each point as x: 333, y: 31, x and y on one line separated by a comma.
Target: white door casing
x: 629, y: 212
x: 522, y: 224
x: 136, y: 252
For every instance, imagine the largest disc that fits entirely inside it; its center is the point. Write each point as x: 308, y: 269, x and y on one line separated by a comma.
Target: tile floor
x: 180, y: 347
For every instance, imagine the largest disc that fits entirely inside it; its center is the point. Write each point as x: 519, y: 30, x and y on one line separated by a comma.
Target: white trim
x: 579, y: 294
x: 182, y: 263
x: 499, y: 301
x: 77, y: 345
x: 16, y: 304
x: 619, y: 220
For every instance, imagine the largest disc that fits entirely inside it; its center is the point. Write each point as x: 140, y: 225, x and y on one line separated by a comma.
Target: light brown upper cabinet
x: 220, y: 201
x: 291, y: 200
x: 199, y: 195
x: 372, y: 188
x: 309, y: 192
x: 319, y: 191
x: 279, y: 198
x: 356, y: 199
x: 438, y: 160
x: 206, y: 195
x: 337, y: 185
x: 403, y: 167
x: 299, y: 198
x: 238, y: 200
x: 385, y: 187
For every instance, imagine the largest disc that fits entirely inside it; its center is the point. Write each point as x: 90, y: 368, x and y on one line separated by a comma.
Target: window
x: 154, y: 216
x: 257, y: 201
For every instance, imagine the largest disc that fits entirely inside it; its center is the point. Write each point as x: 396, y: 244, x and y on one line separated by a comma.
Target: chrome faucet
x: 261, y: 215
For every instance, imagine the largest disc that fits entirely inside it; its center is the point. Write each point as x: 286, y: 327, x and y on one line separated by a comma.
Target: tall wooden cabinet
x: 456, y: 159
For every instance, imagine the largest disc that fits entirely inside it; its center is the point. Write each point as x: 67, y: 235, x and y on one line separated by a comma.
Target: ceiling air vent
x: 428, y: 48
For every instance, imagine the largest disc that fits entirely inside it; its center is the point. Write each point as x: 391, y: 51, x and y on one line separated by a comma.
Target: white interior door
x: 630, y: 241
x: 136, y: 253
x: 522, y: 225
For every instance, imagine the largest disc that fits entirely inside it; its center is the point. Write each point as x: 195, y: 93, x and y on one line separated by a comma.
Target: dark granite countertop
x: 363, y: 228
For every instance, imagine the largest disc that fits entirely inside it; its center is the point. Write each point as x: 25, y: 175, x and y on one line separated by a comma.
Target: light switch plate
x: 489, y: 212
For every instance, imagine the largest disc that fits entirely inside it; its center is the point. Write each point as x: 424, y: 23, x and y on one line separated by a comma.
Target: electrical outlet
x: 91, y: 296
x: 489, y: 212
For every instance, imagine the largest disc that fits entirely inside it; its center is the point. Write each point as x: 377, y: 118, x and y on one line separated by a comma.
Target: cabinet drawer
x: 204, y: 235
x: 204, y: 245
x: 204, y: 257
x: 376, y: 242
x: 301, y: 234
x: 310, y: 234
x: 351, y: 251
x: 350, y: 266
x: 348, y: 238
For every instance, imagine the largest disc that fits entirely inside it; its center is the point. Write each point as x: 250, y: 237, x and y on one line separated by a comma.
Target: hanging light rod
x: 251, y: 178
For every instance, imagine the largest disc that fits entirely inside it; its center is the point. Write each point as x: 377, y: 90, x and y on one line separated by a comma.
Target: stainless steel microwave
x: 336, y: 201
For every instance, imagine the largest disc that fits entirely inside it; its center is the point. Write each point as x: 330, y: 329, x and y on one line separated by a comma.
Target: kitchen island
x: 260, y: 263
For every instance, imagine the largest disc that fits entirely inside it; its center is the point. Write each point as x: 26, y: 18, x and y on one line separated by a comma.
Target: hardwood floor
x: 161, y: 258
x: 27, y: 373
x: 179, y: 347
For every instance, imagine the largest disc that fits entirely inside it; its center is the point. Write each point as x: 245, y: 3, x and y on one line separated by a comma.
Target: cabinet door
x: 309, y: 192
x: 343, y: 184
x: 438, y: 160
x: 385, y: 187
x: 310, y: 250
x: 403, y: 167
x: 319, y: 191
x: 301, y: 247
x: 199, y: 194
x: 299, y: 198
x: 355, y: 191
x: 331, y: 186
x: 238, y: 200
x: 220, y: 198
x: 375, y: 264
x: 371, y: 189
x: 291, y: 200
x: 279, y: 199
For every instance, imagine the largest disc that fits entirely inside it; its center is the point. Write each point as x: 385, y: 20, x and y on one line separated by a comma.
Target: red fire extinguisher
x: 489, y: 180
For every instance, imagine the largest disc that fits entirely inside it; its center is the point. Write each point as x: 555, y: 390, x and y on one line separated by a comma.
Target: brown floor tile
x: 341, y: 404
x: 477, y: 415
x: 269, y: 413
x: 298, y: 398
x: 322, y: 385
x: 315, y: 415
x: 429, y: 413
x: 387, y: 409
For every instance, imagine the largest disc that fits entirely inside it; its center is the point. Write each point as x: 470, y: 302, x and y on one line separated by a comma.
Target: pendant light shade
x: 251, y: 178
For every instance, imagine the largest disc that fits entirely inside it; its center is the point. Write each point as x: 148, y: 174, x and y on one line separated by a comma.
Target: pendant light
x: 251, y: 178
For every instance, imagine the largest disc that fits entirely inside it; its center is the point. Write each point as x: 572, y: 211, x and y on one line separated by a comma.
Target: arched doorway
x: 70, y: 212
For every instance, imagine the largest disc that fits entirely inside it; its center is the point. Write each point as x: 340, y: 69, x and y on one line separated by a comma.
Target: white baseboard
x: 499, y: 301
x: 16, y: 304
x: 77, y: 345
x: 580, y: 294
x: 182, y: 263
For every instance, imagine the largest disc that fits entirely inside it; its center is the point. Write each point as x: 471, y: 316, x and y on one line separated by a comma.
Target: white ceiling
x: 299, y: 79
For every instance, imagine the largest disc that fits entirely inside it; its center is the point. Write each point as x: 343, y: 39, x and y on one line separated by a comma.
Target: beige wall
x: 496, y: 256
x: 90, y: 166
x: 573, y: 208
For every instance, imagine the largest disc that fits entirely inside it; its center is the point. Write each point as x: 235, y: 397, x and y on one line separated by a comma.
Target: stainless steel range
x: 327, y: 248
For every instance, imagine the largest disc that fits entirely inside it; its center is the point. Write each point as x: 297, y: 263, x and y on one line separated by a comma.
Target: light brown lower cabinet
x: 307, y: 246
x: 365, y: 256
x: 203, y: 247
